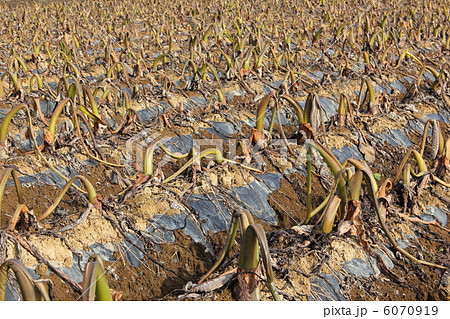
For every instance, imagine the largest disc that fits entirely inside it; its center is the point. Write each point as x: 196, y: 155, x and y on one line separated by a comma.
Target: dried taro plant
x: 253, y: 243
x: 346, y: 207
x: 94, y: 285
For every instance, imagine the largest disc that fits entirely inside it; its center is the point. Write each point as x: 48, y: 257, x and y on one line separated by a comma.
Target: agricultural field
x: 225, y: 150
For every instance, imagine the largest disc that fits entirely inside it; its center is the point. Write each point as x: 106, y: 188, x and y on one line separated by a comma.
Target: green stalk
x: 309, y: 184
x: 272, y: 119
x: 330, y: 194
x: 297, y: 108
x: 72, y: 66
x: 419, y: 76
x: 55, y: 116
x: 161, y: 56
x: 15, y: 80
x: 126, y: 101
x: 110, y: 73
x: 219, y: 159
x: 254, y: 240
x: 26, y: 283
x: 173, y: 155
x: 4, y: 177
x: 276, y: 59
x: 88, y: 113
x: 343, y: 101
x: 148, y: 157
x: 202, y: 71
x: 92, y: 102
x: 220, y: 96
x: 260, y: 59
x: 214, y: 72
x: 249, y: 252
x: 72, y: 92
x: 207, y: 33
x: 6, y: 121
x: 435, y: 73
x: 366, y: 57
x: 354, y: 185
x: 372, y: 186
x: 420, y: 163
x: 39, y: 83
x: 239, y: 31
x: 22, y: 63
x: 409, y: 55
x: 234, y: 225
x: 370, y: 94
x: 95, y: 285
x: 330, y: 213
x: 193, y: 66
x: 334, y: 166
x: 92, y: 195
x: 227, y: 59
x: 373, y: 38
x: 262, y: 111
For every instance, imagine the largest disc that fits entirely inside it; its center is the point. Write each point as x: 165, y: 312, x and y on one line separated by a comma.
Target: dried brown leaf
x: 354, y: 215
x: 368, y: 151
x: 385, y: 188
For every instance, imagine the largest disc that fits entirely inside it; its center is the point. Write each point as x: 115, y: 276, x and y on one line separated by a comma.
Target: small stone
x: 213, y: 179
x: 68, y: 262
x: 41, y: 269
x: 304, y: 229
x: 226, y: 180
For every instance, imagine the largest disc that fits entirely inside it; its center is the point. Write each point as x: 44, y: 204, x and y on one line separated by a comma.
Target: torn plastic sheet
x: 362, y: 267
x: 398, y: 86
x: 394, y: 137
x: 325, y: 287
x: 28, y: 144
x: 75, y: 273
x: 387, y: 261
x: 443, y: 116
x: 182, y: 144
x: 329, y: 106
x: 133, y: 254
x: 150, y: 113
x: 223, y: 129
x: 435, y: 213
x: 230, y: 94
x: 347, y: 152
x: 316, y: 75
x: 12, y: 290
x: 50, y: 177
x: 106, y: 251
x: 211, y: 212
